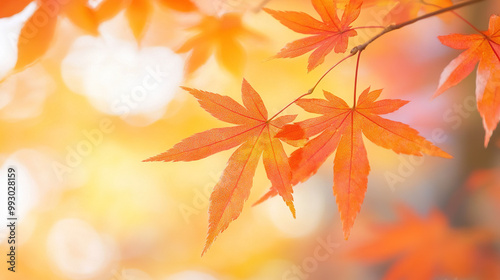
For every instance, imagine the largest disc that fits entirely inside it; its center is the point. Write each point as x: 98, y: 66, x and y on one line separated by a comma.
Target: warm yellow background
x: 112, y: 216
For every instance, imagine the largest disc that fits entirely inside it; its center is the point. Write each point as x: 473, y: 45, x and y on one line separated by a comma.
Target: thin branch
x: 289, y: 104
x: 371, y: 27
x: 356, y: 79
x: 490, y: 41
x: 328, y: 71
x: 358, y: 49
x: 310, y: 91
x: 403, y: 24
x: 456, y: 14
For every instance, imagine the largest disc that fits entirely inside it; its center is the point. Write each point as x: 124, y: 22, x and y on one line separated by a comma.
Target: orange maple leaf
x: 341, y: 128
x: 425, y: 248
x: 138, y: 14
x: 36, y: 34
x: 9, y: 8
x: 488, y: 182
x: 329, y: 34
x: 485, y: 49
x: 87, y: 18
x: 368, y: 3
x: 255, y: 135
x: 179, y: 5
x: 408, y: 9
x: 220, y: 35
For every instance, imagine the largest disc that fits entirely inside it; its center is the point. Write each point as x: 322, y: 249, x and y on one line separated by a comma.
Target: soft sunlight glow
x: 23, y: 94
x: 190, y: 275
x: 121, y: 79
x: 310, y: 207
x: 76, y: 249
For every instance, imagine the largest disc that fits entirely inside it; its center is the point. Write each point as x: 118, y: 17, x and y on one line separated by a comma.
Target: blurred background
x: 78, y: 122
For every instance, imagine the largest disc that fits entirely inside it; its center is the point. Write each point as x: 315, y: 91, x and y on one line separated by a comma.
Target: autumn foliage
x: 340, y: 128
x: 255, y: 134
x: 332, y: 33
x: 485, y: 49
x: 430, y: 244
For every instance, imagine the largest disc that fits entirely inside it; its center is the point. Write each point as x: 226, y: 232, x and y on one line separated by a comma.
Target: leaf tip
x: 486, y: 141
x: 264, y: 198
x: 208, y: 243
x: 440, y: 153
x: 269, y: 11
x: 347, y: 233
x: 292, y: 208
x: 438, y: 92
x: 186, y: 88
x: 150, y: 159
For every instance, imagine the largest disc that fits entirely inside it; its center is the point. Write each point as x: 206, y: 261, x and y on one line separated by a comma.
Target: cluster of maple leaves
x: 338, y: 127
x: 433, y: 244
x: 430, y: 247
x: 38, y: 31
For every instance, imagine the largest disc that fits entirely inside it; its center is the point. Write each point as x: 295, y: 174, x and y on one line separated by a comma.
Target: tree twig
x: 403, y: 24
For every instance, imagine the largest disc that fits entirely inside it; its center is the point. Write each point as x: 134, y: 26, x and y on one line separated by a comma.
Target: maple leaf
x: 82, y: 15
x: 340, y: 129
x: 87, y: 18
x: 428, y: 244
x: 255, y: 135
x: 36, y: 35
x: 179, y: 5
x: 368, y: 3
x: 9, y: 8
x: 405, y: 10
x: 488, y: 181
x: 38, y: 31
x: 329, y: 34
x: 220, y: 35
x: 485, y: 49
x: 138, y: 13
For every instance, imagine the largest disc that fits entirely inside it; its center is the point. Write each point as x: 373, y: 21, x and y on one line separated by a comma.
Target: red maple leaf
x: 329, y: 34
x: 485, y: 49
x: 426, y: 248
x: 341, y: 129
x: 254, y: 133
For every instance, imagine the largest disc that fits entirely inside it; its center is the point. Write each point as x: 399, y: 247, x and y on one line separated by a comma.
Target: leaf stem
x: 290, y: 104
x: 356, y: 79
x: 490, y: 41
x: 403, y: 24
x: 328, y: 71
x: 358, y: 49
x: 365, y: 27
